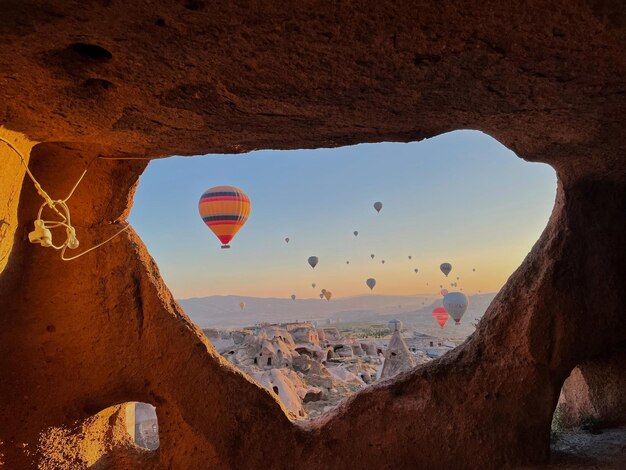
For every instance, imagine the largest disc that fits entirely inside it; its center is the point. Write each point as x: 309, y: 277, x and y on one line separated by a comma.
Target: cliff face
x: 95, y: 80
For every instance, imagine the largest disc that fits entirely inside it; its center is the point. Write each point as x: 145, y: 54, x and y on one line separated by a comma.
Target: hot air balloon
x: 410, y: 257
x: 394, y: 325
x: 416, y: 270
x: 444, y: 292
x: 371, y: 282
x: 323, y: 291
x: 474, y: 269
x: 372, y: 256
x: 242, y: 305
x: 347, y: 262
x: 356, y: 232
x: 445, y: 268
x: 458, y: 278
x: 441, y: 316
x: 313, y: 285
x: 440, y: 286
x: 313, y: 260
x: 328, y: 294
x: 382, y: 261
x: 456, y: 305
x: 293, y: 296
x: 378, y: 206
x: 287, y: 240
x: 224, y: 209
x: 321, y: 296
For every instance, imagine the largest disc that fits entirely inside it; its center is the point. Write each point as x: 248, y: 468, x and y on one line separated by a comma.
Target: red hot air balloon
x: 441, y: 316
x: 444, y: 292
x: 224, y: 209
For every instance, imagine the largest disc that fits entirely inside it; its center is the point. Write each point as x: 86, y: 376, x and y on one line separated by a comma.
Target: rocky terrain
x: 312, y: 369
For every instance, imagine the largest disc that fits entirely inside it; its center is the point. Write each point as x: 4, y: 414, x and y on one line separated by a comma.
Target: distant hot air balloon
x: 224, y: 209
x: 328, y: 294
x: 445, y: 268
x: 410, y: 257
x: 371, y: 282
x: 323, y: 291
x: 378, y: 206
x: 458, y: 278
x: 444, y: 292
x: 382, y: 261
x: 372, y: 256
x: 242, y: 305
x: 293, y: 296
x: 287, y: 240
x: 321, y: 296
x: 441, y: 316
x: 440, y: 286
x: 456, y: 305
x: 313, y: 260
x: 416, y: 270
x: 356, y: 232
x: 313, y: 285
x: 395, y: 325
x: 347, y: 262
x: 474, y: 269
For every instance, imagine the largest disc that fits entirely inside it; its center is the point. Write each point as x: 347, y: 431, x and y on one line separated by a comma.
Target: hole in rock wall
x: 124, y: 434
x: 91, y: 51
x: 143, y: 425
x: 339, y: 277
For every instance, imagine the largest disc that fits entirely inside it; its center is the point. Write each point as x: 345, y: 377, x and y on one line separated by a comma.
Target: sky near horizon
x: 461, y: 197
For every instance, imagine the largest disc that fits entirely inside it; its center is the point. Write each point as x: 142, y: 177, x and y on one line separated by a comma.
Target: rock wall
x: 140, y: 80
x: 595, y: 390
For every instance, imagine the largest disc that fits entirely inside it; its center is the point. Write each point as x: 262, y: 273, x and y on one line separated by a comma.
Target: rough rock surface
x: 595, y: 390
x: 156, y: 78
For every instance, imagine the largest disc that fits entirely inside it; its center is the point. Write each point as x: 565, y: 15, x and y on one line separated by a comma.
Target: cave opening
x: 461, y: 197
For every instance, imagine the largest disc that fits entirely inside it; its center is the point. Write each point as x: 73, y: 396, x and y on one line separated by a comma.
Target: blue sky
x: 461, y: 197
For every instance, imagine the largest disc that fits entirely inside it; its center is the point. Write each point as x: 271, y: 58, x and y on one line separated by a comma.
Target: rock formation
x: 81, y: 84
x: 398, y: 358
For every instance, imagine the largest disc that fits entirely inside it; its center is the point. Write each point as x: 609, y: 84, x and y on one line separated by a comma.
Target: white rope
x: 71, y: 241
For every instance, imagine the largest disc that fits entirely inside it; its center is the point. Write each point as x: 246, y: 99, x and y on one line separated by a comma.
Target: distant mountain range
x: 414, y: 311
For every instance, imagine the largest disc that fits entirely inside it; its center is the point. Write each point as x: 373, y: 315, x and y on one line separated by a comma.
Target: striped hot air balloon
x: 224, y: 209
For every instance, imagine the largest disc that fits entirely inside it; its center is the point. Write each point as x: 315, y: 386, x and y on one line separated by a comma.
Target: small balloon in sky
x: 347, y: 262
x: 372, y: 256
x: 287, y: 240
x: 371, y: 282
x: 293, y: 296
x: 313, y: 285
x: 242, y: 305
x: 382, y: 261
x: 356, y: 232
x: 444, y: 292
x: 416, y: 270
x: 328, y: 294
x: 441, y: 316
x: 323, y: 291
x: 313, y: 260
x: 378, y: 206
x: 474, y: 269
x: 321, y: 296
x: 445, y: 268
x: 410, y: 257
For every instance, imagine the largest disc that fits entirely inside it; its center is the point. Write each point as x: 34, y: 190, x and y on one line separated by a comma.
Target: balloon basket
x: 225, y: 246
